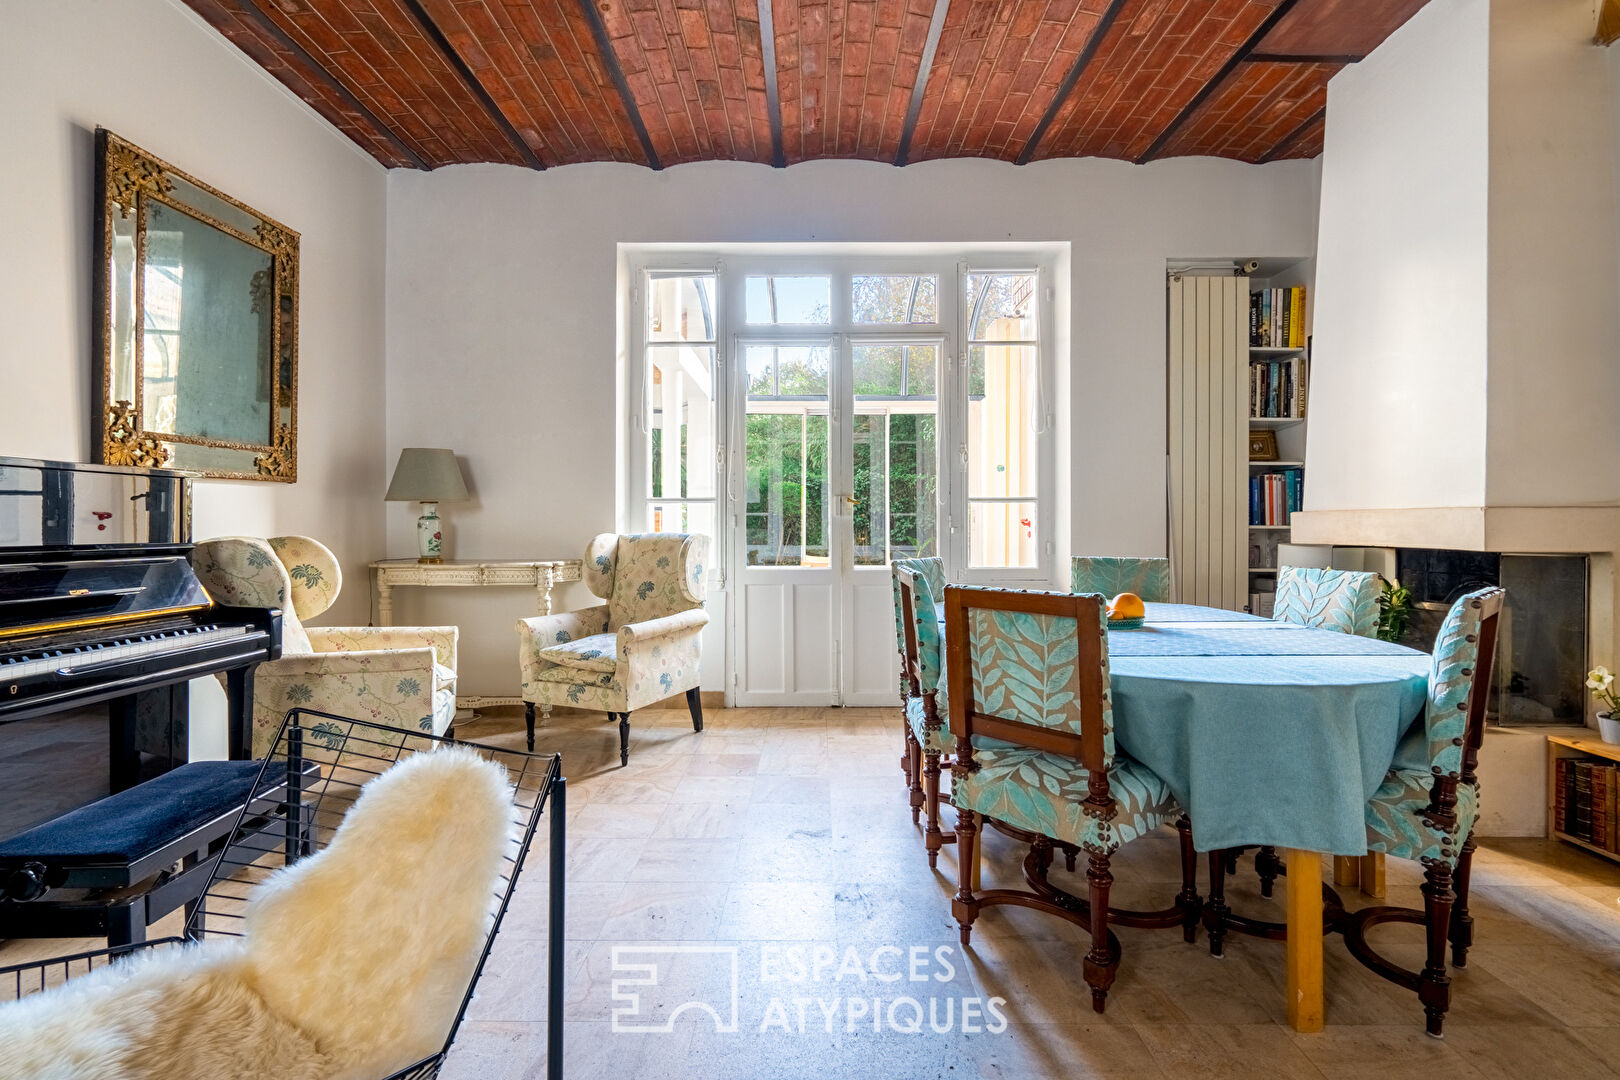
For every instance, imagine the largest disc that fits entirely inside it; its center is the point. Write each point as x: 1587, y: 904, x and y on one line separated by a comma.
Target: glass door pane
x: 786, y: 455
x: 895, y: 451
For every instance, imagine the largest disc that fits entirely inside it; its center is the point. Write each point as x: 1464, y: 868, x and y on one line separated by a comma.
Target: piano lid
x: 53, y: 505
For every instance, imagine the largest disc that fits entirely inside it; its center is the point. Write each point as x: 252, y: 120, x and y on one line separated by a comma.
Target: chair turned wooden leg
x: 1462, y: 924
x: 914, y: 765
x: 1070, y: 855
x: 1267, y: 865
x: 1215, y: 909
x: 694, y: 704
x: 1188, y: 900
x: 933, y: 837
x: 1231, y: 858
x: 528, y: 721
x: 965, y: 907
x: 1434, y: 985
x: 624, y: 739
x: 1100, y: 964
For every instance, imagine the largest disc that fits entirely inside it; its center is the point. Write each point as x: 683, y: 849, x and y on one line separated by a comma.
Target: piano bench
x: 108, y: 869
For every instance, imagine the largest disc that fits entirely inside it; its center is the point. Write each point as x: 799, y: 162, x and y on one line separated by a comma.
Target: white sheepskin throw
x: 352, y: 964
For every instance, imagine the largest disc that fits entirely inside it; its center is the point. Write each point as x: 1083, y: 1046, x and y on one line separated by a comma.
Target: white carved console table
x: 539, y: 575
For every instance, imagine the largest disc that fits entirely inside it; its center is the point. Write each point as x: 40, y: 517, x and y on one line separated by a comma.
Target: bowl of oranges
x: 1126, y: 612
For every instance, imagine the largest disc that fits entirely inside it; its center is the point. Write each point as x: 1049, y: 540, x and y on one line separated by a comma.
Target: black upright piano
x: 98, y: 603
x: 103, y: 622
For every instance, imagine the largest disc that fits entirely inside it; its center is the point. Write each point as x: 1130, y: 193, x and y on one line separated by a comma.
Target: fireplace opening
x: 1541, y: 639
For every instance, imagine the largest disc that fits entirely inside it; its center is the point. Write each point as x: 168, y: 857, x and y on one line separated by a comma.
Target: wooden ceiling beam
x: 935, y: 24
x: 604, y: 45
x: 315, y: 69
x: 1608, y: 24
x: 431, y: 30
x: 773, y: 99
x: 1066, y: 87
x: 1238, y: 57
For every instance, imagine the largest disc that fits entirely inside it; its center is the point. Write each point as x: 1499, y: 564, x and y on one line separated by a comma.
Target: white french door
x: 834, y: 485
x: 822, y: 415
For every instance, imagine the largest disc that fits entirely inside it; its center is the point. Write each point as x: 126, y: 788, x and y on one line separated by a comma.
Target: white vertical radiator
x: 1208, y: 433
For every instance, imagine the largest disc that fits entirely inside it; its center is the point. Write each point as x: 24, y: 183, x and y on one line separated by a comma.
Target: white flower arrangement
x: 1600, y: 680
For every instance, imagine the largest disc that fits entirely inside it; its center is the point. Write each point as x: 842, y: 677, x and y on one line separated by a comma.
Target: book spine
x: 1254, y: 501
x: 1298, y: 340
x: 1583, y: 801
x: 1265, y: 317
x: 1254, y: 318
x: 1304, y: 383
x: 1561, y: 794
x: 1286, y: 323
x: 1600, y: 805
x: 1567, y: 823
x: 1611, y: 842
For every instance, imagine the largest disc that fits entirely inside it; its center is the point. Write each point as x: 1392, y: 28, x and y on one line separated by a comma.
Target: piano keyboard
x: 98, y: 654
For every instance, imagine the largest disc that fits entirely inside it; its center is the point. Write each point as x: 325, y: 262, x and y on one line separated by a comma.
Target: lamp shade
x: 425, y: 474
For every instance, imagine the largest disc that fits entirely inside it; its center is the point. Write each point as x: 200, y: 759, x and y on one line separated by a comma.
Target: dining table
x: 1272, y: 734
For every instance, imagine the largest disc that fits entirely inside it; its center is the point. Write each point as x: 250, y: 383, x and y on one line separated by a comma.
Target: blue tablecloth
x: 1268, y: 733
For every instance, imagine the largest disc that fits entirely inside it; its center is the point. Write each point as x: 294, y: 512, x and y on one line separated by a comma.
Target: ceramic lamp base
x: 429, y: 535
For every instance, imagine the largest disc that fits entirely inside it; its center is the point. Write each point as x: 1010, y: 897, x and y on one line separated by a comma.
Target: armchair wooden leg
x: 1188, y: 900
x: 1215, y: 910
x: 933, y: 838
x: 1434, y: 986
x: 528, y: 721
x: 624, y: 739
x: 694, y: 704
x: 1070, y: 855
x: 1100, y: 964
x: 1462, y: 924
x: 965, y: 907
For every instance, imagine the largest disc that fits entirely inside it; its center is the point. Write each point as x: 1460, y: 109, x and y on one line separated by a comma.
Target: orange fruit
x: 1127, y: 605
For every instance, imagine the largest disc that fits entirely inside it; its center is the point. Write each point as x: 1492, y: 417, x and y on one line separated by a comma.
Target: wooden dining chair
x: 1147, y: 577
x: 927, y: 735
x: 1342, y: 600
x: 1028, y: 694
x: 911, y: 758
x: 1428, y: 815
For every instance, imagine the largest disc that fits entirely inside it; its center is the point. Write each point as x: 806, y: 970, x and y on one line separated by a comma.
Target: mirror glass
x: 197, y: 324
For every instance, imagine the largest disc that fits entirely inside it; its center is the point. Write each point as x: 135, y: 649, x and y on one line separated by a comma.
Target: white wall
x: 503, y: 318
x: 156, y: 74
x: 1554, y: 307
x: 1401, y: 281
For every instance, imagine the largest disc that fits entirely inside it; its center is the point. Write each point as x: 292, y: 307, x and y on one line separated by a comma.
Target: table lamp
x: 428, y: 476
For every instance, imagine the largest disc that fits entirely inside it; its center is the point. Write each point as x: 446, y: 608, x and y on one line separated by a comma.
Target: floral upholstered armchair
x: 401, y: 676
x: 641, y: 646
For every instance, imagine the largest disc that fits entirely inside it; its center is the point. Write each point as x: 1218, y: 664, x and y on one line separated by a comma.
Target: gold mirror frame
x: 129, y: 181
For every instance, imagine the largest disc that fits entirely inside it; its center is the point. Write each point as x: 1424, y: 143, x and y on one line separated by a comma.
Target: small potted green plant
x: 1394, y: 610
x: 1600, y: 680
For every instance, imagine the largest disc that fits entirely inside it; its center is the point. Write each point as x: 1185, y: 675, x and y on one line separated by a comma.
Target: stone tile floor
x: 784, y: 834
x: 779, y: 840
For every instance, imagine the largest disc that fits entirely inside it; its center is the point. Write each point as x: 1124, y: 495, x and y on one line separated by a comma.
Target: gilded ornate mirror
x: 196, y: 324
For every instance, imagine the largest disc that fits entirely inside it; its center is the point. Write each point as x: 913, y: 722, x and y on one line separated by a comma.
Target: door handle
x: 851, y: 500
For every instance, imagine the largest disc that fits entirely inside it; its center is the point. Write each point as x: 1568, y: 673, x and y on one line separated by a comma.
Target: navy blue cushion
x: 139, y: 821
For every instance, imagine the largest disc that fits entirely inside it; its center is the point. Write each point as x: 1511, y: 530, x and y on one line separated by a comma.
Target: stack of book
x: 1584, y: 801
x: 1277, y: 387
x: 1274, y: 496
x: 1277, y: 318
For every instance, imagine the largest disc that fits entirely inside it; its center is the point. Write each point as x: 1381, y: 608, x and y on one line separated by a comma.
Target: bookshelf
x: 1276, y: 402
x: 1571, y: 749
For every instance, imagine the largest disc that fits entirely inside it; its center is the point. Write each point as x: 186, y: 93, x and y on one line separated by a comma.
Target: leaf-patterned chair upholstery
x: 1147, y: 577
x: 1429, y: 816
x: 932, y: 571
x: 642, y: 645
x: 401, y: 676
x: 928, y: 739
x: 1342, y: 600
x: 1036, y: 757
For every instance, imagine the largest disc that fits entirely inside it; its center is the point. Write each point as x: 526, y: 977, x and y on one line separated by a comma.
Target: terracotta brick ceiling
x: 540, y: 83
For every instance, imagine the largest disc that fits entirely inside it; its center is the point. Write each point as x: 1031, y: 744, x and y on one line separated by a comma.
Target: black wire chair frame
x: 317, y: 765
